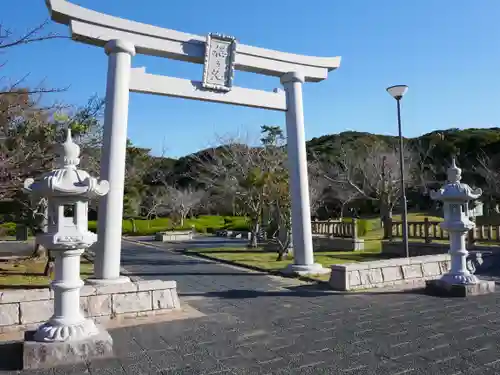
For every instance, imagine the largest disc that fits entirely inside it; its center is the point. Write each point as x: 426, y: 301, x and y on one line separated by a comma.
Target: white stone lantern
x: 68, y: 191
x: 456, y: 196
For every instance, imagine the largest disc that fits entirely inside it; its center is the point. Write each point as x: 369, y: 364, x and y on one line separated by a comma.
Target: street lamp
x: 397, y: 92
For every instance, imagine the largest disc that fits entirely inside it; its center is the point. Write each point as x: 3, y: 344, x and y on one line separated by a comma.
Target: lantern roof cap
x: 67, y: 180
x: 455, y: 190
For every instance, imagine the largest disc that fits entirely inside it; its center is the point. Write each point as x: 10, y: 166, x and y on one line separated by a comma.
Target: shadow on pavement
x: 315, y: 290
x: 11, y: 356
x: 156, y: 262
x: 180, y: 273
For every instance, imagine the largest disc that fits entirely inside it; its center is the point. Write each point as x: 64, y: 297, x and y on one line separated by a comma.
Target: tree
x: 155, y: 202
x: 374, y: 174
x: 279, y: 199
x: 317, y: 186
x: 235, y: 168
x: 488, y: 169
x: 180, y: 202
x: 242, y: 174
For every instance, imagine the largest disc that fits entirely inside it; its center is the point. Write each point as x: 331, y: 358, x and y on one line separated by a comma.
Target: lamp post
x: 397, y: 92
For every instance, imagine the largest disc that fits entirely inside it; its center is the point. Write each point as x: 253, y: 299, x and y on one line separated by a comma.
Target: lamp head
x: 397, y: 91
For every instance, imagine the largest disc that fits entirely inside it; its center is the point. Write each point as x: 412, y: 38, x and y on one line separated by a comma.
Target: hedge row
x: 202, y: 224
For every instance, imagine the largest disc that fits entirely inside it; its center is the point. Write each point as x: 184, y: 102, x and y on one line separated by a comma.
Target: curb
x: 186, y: 252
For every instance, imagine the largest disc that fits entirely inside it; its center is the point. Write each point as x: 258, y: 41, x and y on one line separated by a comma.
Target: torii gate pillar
x: 113, y: 157
x: 299, y: 184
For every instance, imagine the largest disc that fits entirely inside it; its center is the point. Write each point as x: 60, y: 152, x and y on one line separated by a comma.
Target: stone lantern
x: 68, y: 191
x: 456, y: 196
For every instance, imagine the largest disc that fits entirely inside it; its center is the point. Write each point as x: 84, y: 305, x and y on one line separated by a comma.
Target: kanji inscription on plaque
x: 218, y: 70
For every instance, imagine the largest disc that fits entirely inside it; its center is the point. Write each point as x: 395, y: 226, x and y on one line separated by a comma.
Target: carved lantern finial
x: 69, y: 152
x: 454, y: 173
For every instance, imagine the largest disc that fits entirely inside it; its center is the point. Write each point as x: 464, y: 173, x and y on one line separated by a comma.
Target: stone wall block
x: 116, y: 288
x: 22, y: 295
x: 392, y: 273
x: 131, y: 302
x: 412, y: 271
x: 371, y: 276
x: 431, y: 269
x: 9, y: 314
x: 100, y: 305
x: 36, y: 311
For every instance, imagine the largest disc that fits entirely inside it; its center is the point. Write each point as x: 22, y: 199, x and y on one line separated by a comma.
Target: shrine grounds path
x: 258, y: 324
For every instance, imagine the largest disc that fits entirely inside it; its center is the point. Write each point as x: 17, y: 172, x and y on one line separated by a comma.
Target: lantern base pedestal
x: 443, y: 288
x: 51, y: 354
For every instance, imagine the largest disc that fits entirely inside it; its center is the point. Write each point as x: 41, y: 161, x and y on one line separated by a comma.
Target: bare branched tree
x: 181, y: 202
x: 317, y: 186
x: 489, y: 170
x: 425, y: 171
x: 155, y: 203
x: 373, y: 173
x: 237, y: 172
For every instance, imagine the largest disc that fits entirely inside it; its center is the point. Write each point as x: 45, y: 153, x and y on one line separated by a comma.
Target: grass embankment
x: 260, y: 259
x: 202, y: 224
x: 28, y: 273
x: 266, y: 260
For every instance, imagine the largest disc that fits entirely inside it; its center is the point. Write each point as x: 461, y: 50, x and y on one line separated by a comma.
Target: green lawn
x: 28, y: 273
x: 266, y: 260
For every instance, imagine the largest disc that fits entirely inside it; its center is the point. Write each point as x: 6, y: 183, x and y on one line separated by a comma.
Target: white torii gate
x: 221, y: 55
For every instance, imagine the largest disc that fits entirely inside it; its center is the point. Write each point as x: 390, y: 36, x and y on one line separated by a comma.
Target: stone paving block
x: 36, y: 311
x: 354, y: 278
x: 431, y: 269
x: 87, y: 290
x: 444, y: 266
x: 21, y: 295
x: 99, y: 305
x: 392, y: 273
x: 145, y: 285
x: 131, y: 302
x: 162, y: 299
x: 371, y: 276
x: 9, y: 314
x: 412, y: 271
x: 84, y: 306
x: 116, y: 288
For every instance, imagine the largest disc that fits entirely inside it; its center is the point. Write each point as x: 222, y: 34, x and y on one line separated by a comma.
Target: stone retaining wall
x: 26, y: 309
x: 174, y: 236
x: 382, y: 273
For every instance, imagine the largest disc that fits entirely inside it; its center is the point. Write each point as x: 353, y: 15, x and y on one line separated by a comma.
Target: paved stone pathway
x: 257, y: 324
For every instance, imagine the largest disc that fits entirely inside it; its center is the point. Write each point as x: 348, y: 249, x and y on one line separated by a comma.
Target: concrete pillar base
x: 304, y: 270
x: 117, y: 280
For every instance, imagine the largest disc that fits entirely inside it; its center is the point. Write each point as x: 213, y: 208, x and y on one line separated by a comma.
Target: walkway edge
x: 185, y: 251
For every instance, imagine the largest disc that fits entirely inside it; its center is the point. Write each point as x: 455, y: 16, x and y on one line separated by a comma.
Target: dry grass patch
x: 28, y: 273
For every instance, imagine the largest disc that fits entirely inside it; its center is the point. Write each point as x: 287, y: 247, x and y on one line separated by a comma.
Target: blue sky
x: 446, y: 51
